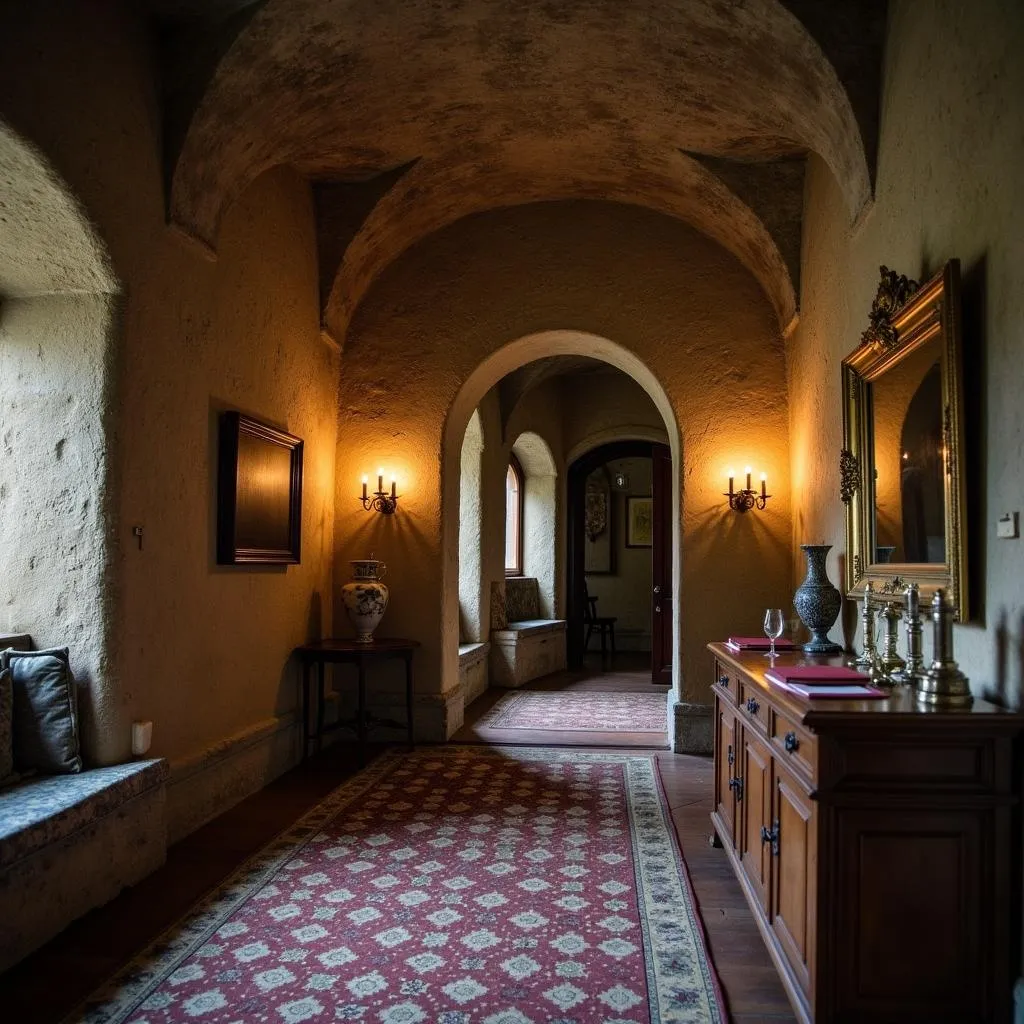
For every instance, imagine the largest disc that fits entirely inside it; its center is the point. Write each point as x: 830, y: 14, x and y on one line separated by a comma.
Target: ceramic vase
x: 365, y: 597
x: 817, y: 601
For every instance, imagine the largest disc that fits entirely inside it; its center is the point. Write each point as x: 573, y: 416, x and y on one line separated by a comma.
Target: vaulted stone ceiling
x: 415, y: 113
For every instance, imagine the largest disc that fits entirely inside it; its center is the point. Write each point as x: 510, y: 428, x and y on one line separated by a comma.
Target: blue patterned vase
x: 817, y: 601
x: 365, y: 597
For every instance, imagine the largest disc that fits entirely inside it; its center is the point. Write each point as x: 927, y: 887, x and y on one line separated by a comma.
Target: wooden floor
x: 47, y: 985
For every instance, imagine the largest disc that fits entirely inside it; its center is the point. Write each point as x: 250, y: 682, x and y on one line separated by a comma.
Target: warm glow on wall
x: 746, y: 498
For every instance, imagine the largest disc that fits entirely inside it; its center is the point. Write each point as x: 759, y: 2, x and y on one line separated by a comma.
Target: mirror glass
x: 909, y: 486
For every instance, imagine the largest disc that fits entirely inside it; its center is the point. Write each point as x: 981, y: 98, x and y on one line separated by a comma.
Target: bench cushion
x: 45, y: 809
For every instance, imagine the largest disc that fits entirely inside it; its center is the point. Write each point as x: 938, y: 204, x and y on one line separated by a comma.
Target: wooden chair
x: 603, y: 625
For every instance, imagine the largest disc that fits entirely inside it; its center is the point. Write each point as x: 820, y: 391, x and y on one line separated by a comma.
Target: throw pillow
x: 45, y: 711
x: 6, y: 717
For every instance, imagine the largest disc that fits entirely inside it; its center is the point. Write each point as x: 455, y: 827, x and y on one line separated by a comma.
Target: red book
x: 836, y: 675
x: 758, y: 643
x: 832, y: 691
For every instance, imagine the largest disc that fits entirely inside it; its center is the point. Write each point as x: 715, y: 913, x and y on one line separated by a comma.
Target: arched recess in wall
x: 59, y: 314
x: 471, y: 532
x: 497, y: 365
x: 541, y: 509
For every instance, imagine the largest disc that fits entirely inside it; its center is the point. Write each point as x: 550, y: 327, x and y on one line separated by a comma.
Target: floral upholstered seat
x: 45, y: 809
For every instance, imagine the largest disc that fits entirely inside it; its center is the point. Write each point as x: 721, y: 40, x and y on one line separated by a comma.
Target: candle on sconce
x: 731, y: 474
x: 365, y: 481
x: 747, y: 471
x: 764, y: 485
x: 380, y: 481
x: 392, y: 487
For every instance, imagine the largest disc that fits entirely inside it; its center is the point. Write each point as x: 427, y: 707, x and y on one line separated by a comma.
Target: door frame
x: 575, y: 580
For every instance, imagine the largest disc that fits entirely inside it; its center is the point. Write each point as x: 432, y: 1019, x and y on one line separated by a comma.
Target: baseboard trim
x: 208, y: 782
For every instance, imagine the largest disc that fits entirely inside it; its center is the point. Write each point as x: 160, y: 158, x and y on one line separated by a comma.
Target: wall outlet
x: 1006, y: 526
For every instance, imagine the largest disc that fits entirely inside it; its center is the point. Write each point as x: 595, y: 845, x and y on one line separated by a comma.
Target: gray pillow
x: 6, y: 717
x: 45, y: 711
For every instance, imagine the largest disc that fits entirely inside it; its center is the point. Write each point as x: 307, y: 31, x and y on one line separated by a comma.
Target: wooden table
x: 351, y: 652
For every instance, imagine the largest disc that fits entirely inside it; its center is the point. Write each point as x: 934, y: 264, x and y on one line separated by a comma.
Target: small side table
x: 351, y: 652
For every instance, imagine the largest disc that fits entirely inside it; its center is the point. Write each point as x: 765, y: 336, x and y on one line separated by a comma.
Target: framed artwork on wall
x: 639, y: 522
x: 599, y: 524
x: 259, y: 493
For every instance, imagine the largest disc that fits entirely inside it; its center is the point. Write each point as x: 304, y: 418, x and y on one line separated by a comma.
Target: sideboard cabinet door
x: 794, y: 873
x: 754, y: 813
x: 728, y: 786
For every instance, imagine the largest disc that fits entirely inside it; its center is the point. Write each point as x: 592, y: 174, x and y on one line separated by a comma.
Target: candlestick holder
x: 892, y: 665
x: 870, y: 653
x: 380, y: 500
x: 944, y: 685
x: 914, y: 670
x: 746, y: 498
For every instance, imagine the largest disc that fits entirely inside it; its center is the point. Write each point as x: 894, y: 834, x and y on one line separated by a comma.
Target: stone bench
x: 527, y: 646
x: 473, y: 670
x: 69, y: 843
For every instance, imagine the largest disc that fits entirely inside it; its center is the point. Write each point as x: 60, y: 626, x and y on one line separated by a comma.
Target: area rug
x: 588, y: 711
x: 452, y: 886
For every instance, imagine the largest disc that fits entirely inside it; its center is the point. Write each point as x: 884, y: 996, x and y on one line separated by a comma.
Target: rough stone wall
x: 684, y: 306
x: 201, y: 650
x: 951, y: 159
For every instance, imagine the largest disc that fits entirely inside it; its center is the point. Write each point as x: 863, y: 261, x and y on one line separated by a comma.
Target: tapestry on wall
x: 461, y: 885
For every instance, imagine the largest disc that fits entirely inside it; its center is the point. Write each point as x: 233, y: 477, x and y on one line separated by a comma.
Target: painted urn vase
x: 817, y: 601
x: 365, y: 597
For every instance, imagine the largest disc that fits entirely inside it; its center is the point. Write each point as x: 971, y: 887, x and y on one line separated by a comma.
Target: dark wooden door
x: 661, y: 569
x: 754, y: 813
x: 794, y: 874
x: 726, y: 791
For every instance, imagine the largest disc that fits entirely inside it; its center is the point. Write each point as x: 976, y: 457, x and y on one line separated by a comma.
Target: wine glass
x: 773, y: 624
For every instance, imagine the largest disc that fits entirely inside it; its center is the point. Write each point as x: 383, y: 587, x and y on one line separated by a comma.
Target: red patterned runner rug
x: 453, y: 885
x: 590, y: 711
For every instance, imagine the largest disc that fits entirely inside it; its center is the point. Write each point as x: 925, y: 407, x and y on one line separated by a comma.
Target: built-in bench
x: 71, y: 842
x: 473, y: 670
x: 526, y: 646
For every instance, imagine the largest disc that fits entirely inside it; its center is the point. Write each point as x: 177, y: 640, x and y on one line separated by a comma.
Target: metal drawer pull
x: 737, y: 785
x: 752, y: 706
x: 791, y: 743
x: 732, y: 756
x: 723, y: 681
x: 771, y: 836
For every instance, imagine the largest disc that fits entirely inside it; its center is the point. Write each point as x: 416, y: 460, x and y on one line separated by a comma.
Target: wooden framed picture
x: 639, y: 522
x: 259, y: 493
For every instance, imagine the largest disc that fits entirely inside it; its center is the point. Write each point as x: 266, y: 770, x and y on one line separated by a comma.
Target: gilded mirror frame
x: 903, y: 318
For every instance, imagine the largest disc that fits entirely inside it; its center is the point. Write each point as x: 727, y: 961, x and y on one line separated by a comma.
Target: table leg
x: 408, y: 696
x: 305, y: 709
x: 361, y: 726
x: 320, y: 707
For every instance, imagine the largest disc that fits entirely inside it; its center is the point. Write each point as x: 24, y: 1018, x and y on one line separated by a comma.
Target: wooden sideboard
x: 874, y: 842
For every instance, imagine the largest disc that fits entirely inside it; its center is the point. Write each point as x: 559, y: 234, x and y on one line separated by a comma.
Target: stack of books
x: 815, y: 682
x: 758, y: 643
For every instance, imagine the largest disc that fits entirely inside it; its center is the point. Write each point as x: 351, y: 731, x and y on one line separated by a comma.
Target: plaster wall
x: 471, y: 533
x: 602, y: 407
x: 626, y: 593
x: 951, y: 159
x: 200, y: 649
x: 669, y: 297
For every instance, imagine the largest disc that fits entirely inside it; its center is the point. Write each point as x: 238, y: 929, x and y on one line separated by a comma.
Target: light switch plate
x: 1006, y: 526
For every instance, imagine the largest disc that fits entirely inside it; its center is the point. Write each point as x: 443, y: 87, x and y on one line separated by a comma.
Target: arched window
x: 514, y: 495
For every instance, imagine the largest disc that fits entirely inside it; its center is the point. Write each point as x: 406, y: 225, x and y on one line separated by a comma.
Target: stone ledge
x: 470, y: 654
x: 527, y: 627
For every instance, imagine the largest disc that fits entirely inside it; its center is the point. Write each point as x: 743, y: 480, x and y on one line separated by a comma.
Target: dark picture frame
x: 259, y: 493
x: 639, y: 521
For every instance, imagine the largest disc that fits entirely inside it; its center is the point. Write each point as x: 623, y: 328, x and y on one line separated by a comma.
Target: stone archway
x: 501, y: 362
x: 59, y: 318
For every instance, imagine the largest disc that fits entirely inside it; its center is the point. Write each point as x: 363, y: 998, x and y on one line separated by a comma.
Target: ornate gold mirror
x: 902, y: 465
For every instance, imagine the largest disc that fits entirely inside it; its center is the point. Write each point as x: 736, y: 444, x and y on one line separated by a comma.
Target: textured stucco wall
x: 471, y: 533
x: 199, y: 649
x: 951, y: 160
x: 602, y: 407
x: 673, y: 299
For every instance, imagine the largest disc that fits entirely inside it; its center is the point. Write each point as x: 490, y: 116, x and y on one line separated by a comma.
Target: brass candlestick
x: 870, y: 653
x: 892, y: 664
x: 944, y: 685
x: 914, y: 671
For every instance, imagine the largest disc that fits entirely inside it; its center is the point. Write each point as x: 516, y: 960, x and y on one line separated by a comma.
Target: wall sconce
x: 380, y: 500
x: 746, y: 498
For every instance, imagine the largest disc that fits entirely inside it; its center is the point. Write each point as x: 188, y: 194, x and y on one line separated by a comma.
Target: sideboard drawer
x: 793, y: 746
x: 726, y: 683
x: 754, y: 706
